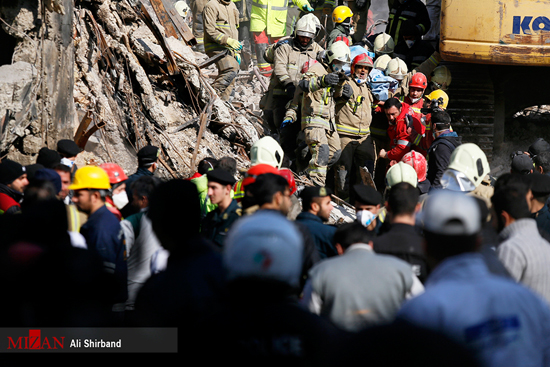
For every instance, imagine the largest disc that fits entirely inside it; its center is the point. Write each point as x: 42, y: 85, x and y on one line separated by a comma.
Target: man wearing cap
x: 440, y: 151
x: 402, y: 240
x: 216, y: 224
x: 540, y: 188
x: 522, y: 164
x: 539, y: 146
x: 503, y: 322
x: 147, y: 165
x: 102, y: 230
x: 367, y: 202
x: 13, y: 180
x: 48, y: 158
x: 522, y: 250
x: 68, y: 150
x: 316, y: 208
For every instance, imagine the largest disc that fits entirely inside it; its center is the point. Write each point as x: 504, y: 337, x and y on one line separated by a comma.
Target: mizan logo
x: 35, y: 341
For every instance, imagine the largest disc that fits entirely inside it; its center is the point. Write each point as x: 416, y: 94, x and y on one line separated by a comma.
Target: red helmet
x: 115, y: 173
x: 419, y: 80
x: 418, y: 162
x: 343, y: 39
x: 286, y: 173
x: 255, y: 171
x: 361, y: 59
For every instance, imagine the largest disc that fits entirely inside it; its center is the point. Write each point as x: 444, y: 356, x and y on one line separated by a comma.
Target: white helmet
x: 182, y: 8
x: 441, y: 77
x: 381, y: 62
x: 471, y: 161
x: 397, y: 69
x: 401, y: 172
x: 267, y: 151
x: 307, y: 26
x: 383, y: 44
x: 339, y: 51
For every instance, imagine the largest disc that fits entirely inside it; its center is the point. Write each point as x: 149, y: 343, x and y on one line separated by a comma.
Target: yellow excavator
x: 498, y: 52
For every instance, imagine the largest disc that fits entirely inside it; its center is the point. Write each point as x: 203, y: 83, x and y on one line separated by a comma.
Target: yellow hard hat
x: 440, y: 95
x: 90, y: 177
x: 341, y: 13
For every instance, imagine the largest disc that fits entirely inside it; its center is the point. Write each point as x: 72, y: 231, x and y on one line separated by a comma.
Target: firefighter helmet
x: 361, y: 59
x: 419, y: 80
x: 339, y: 51
x: 441, y: 77
x: 307, y: 26
x: 471, y: 161
x: 383, y: 44
x: 381, y: 62
x: 418, y: 162
x: 341, y: 13
x: 287, y: 173
x: 115, y: 173
x: 267, y: 150
x: 397, y: 69
x: 256, y: 170
x: 90, y: 177
x: 440, y: 96
x: 401, y: 172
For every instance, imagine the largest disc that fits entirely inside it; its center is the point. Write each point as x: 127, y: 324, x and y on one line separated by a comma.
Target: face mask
x: 414, y: 100
x: 360, y: 81
x: 67, y: 162
x: 351, y: 31
x: 120, y: 200
x: 338, y: 67
x: 409, y: 43
x: 365, y: 217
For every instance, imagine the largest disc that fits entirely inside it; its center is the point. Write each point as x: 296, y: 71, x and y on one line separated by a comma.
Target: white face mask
x: 351, y: 31
x: 365, y: 217
x: 409, y: 43
x: 120, y: 200
x: 338, y: 67
x: 414, y: 100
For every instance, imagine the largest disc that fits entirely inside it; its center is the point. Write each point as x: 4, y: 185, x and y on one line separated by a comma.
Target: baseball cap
x: 315, y: 192
x: 148, y: 154
x: 264, y: 245
x: 366, y: 195
x: 539, y: 146
x: 451, y: 213
x: 220, y: 176
x: 522, y: 164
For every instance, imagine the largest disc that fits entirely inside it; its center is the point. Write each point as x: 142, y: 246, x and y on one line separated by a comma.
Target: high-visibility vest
x: 269, y: 15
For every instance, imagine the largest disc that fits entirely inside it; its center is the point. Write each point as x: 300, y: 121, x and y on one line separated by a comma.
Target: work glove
x: 347, y: 91
x: 308, y: 8
x: 238, y: 58
x: 290, y: 90
x: 360, y: 4
x: 234, y: 44
x: 285, y: 123
x: 330, y: 80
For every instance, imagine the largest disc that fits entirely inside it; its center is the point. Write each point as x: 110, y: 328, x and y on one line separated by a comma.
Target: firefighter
x: 360, y: 9
x: 342, y: 18
x: 268, y: 24
x: 197, y: 8
x: 221, y: 19
x: 403, y: 10
x: 383, y: 45
x: 353, y: 118
x: 319, y: 84
x: 413, y: 50
x: 404, y: 131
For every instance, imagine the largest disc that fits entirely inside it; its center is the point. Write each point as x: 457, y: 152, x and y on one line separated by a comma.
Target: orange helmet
x: 115, y: 173
x: 419, y: 80
x: 418, y: 162
x: 286, y: 173
x: 361, y: 59
x: 255, y: 171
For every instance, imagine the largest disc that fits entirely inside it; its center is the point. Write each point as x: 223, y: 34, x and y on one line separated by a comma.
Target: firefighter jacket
x: 410, y: 10
x: 404, y: 134
x: 289, y: 58
x: 318, y: 104
x: 221, y: 19
x: 354, y: 114
x: 269, y: 15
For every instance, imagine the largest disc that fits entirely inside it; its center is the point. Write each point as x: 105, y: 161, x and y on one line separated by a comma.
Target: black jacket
x: 411, y: 9
x: 404, y: 242
x: 416, y: 55
x: 439, y: 156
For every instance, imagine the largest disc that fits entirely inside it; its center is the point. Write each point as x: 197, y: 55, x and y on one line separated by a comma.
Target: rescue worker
x: 440, y: 78
x: 102, y: 230
x: 323, y: 10
x: 268, y: 24
x: 245, y: 36
x: 117, y: 197
x: 342, y: 18
x: 319, y: 85
x: 360, y: 9
x: 353, y: 118
x: 221, y: 19
x: 383, y: 45
x: 288, y: 57
x: 412, y: 49
x: 13, y: 180
x: 216, y: 224
x: 197, y: 8
x: 404, y: 131
x: 403, y: 10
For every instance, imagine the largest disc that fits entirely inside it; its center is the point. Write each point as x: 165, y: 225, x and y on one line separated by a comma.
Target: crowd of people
x: 442, y: 264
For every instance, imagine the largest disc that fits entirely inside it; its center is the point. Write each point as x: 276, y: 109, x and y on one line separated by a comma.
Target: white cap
x: 264, y: 245
x: 451, y: 213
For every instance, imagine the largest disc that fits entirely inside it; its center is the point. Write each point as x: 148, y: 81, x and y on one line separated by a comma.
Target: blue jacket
x: 104, y: 235
x: 505, y: 323
x: 322, y: 234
